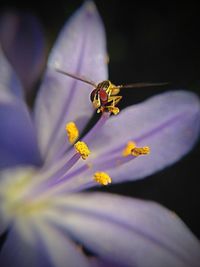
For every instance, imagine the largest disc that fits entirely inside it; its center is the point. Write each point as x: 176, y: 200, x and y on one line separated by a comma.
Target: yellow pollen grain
x: 128, y: 149
x: 72, y: 132
x: 102, y: 178
x: 138, y: 151
x: 131, y: 149
x: 82, y: 149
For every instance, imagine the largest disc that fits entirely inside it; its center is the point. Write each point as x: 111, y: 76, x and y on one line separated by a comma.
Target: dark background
x: 146, y: 42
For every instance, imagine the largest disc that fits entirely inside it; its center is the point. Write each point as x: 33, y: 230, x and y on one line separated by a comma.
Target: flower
x: 49, y: 220
x: 23, y: 42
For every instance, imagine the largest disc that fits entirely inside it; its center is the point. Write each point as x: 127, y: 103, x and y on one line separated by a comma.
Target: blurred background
x: 155, y: 42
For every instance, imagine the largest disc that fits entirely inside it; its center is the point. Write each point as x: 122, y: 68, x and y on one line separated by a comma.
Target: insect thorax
x: 104, y: 85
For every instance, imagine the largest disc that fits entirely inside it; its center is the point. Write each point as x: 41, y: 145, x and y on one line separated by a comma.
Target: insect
x: 104, y: 96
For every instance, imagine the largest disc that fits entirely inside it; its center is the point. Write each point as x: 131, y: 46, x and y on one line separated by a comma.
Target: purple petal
x: 20, y: 250
x: 80, y: 49
x: 22, y: 40
x: 168, y: 123
x: 33, y: 243
x: 59, y: 249
x: 128, y: 231
x: 96, y: 262
x: 18, y: 144
x: 9, y: 82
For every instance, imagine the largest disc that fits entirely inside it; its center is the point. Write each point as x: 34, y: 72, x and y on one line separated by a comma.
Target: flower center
x: 13, y: 195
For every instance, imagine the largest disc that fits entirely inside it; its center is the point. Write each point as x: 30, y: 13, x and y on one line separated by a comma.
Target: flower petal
x: 20, y: 251
x: 128, y: 231
x: 96, y: 262
x: 80, y: 49
x: 32, y: 242
x: 168, y: 123
x: 18, y: 144
x: 9, y: 82
x: 22, y: 40
x: 60, y: 250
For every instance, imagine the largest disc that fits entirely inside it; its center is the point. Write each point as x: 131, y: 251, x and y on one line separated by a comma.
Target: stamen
x: 128, y: 149
x: 102, y: 178
x: 72, y: 132
x: 104, y: 117
x: 82, y: 149
x: 138, y: 151
x: 131, y: 149
x: 58, y: 173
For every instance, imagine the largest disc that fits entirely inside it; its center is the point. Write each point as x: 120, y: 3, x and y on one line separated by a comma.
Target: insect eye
x: 103, y: 95
x: 93, y: 94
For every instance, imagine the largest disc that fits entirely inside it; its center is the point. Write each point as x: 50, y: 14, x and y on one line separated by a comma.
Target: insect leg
x: 113, y: 90
x: 113, y: 100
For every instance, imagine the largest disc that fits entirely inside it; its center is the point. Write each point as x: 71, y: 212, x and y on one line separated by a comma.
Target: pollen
x: 102, y: 178
x: 131, y: 149
x: 128, y: 149
x: 82, y: 149
x: 138, y: 151
x: 72, y: 132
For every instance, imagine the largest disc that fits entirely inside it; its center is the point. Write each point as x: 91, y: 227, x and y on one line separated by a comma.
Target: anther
x: 102, y: 178
x: 72, y: 132
x: 128, y: 149
x: 82, y: 149
x: 131, y: 149
x: 138, y: 151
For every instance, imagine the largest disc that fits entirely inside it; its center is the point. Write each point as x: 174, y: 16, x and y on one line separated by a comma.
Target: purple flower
x: 22, y: 40
x: 42, y: 175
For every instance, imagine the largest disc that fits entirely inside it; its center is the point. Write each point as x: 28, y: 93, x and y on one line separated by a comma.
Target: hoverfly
x: 104, y: 96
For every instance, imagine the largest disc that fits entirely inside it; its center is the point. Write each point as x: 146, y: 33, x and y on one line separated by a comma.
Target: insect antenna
x: 77, y: 77
x: 139, y: 85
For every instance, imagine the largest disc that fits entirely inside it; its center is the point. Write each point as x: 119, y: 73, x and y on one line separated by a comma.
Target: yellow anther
x: 82, y: 149
x: 137, y: 151
x: 131, y: 149
x: 72, y: 132
x: 102, y: 178
x: 128, y: 149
